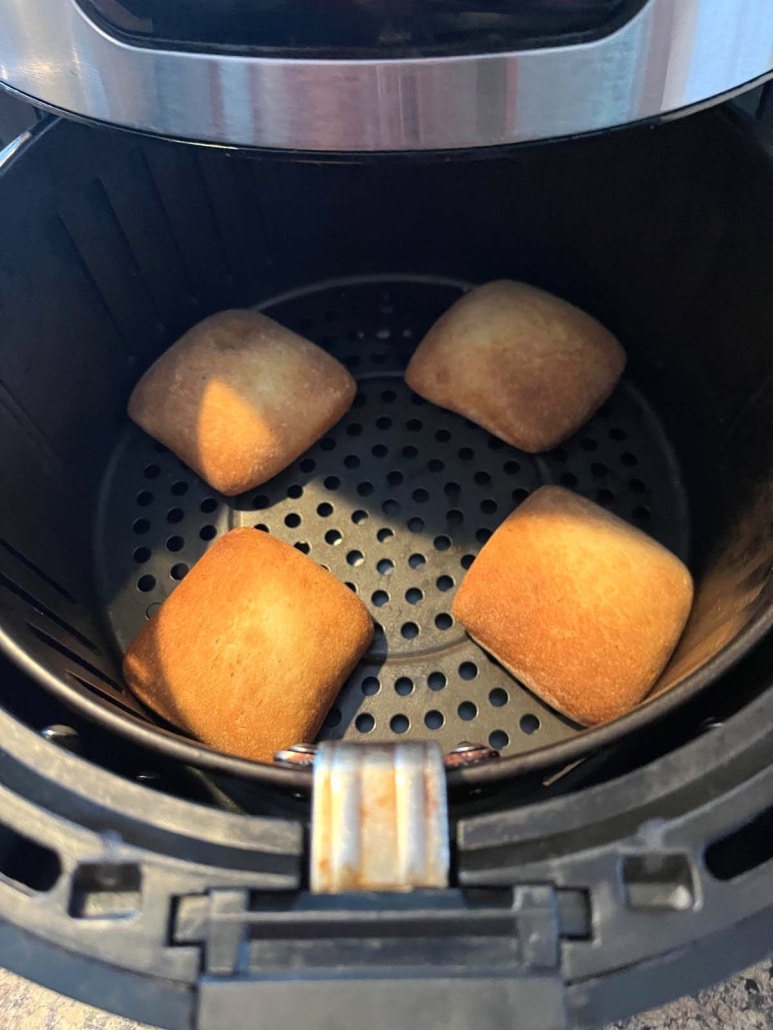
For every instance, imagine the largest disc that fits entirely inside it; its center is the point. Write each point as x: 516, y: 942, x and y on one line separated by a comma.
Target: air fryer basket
x: 114, y: 245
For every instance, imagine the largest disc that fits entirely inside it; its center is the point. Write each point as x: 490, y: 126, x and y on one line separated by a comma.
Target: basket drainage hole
x: 180, y: 570
x: 140, y: 526
x: 144, y: 498
x: 467, y: 710
x: 370, y: 686
x: 441, y: 543
x: 498, y: 697
x: 385, y: 566
x: 529, y: 724
x: 455, y: 517
x: 307, y: 465
x: 498, y: 740
x: 380, y: 598
x: 444, y: 621
x: 303, y: 546
x: 409, y: 631
x: 444, y: 583
x: 394, y: 478
x: 355, y: 558
x: 152, y: 471
x: 325, y: 509
x: 332, y: 483
x: 208, y: 505
x: 146, y: 583
x: 468, y: 670
x: 399, y: 723
x: 416, y: 525
x: 333, y: 718
x: 404, y: 686
x: 416, y: 561
x: 365, y: 722
x: 365, y: 489
x: 390, y: 507
x: 385, y: 534
x: 175, y: 543
x: 433, y: 720
x: 420, y: 496
x: 359, y: 516
x: 413, y: 595
x: 333, y: 536
x: 142, y: 554
x: 467, y: 560
x: 208, y: 532
x: 436, y: 681
x: 175, y: 515
x: 295, y: 491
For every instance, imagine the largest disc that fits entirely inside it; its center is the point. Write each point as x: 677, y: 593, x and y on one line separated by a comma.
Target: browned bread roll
x: 239, y: 397
x: 252, y: 647
x: 580, y: 606
x: 528, y: 367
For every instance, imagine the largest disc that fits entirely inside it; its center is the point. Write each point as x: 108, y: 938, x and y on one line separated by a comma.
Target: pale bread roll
x: 528, y: 367
x: 581, y: 607
x: 239, y: 397
x: 251, y: 649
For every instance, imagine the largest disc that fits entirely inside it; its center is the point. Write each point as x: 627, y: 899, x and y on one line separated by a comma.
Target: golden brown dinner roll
x: 239, y: 397
x: 580, y: 606
x: 523, y: 364
x: 252, y: 647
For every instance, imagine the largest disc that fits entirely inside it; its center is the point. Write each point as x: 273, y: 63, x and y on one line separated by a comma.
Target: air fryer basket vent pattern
x: 396, y: 501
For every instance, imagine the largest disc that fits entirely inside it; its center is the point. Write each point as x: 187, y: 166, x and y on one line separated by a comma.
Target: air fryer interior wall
x: 114, y: 245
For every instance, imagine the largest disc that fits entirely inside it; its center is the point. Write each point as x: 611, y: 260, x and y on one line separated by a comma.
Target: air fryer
x: 594, y: 872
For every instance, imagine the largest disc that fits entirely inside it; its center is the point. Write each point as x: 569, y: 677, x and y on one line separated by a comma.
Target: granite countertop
x: 745, y: 1002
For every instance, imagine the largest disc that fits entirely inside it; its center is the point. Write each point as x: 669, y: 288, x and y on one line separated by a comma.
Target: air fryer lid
x: 379, y: 75
x: 129, y: 242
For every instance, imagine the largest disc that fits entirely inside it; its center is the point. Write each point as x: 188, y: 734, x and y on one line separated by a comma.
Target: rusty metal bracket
x: 379, y: 817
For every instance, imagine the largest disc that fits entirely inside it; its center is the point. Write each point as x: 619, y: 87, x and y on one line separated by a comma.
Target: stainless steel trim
x: 379, y: 819
x: 673, y: 54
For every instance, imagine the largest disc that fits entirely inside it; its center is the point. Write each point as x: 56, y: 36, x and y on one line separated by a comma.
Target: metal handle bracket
x: 379, y: 818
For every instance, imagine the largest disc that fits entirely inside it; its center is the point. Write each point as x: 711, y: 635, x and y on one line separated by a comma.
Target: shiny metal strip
x: 672, y: 54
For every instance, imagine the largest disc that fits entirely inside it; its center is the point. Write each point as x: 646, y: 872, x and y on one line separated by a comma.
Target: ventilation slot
x: 43, y: 609
x: 27, y: 864
x: 38, y: 571
x: 57, y: 645
x: 745, y: 849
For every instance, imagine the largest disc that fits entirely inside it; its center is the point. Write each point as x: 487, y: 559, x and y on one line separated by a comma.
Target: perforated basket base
x: 396, y: 501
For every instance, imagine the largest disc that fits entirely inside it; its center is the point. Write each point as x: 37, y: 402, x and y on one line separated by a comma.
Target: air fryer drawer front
x: 440, y: 77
